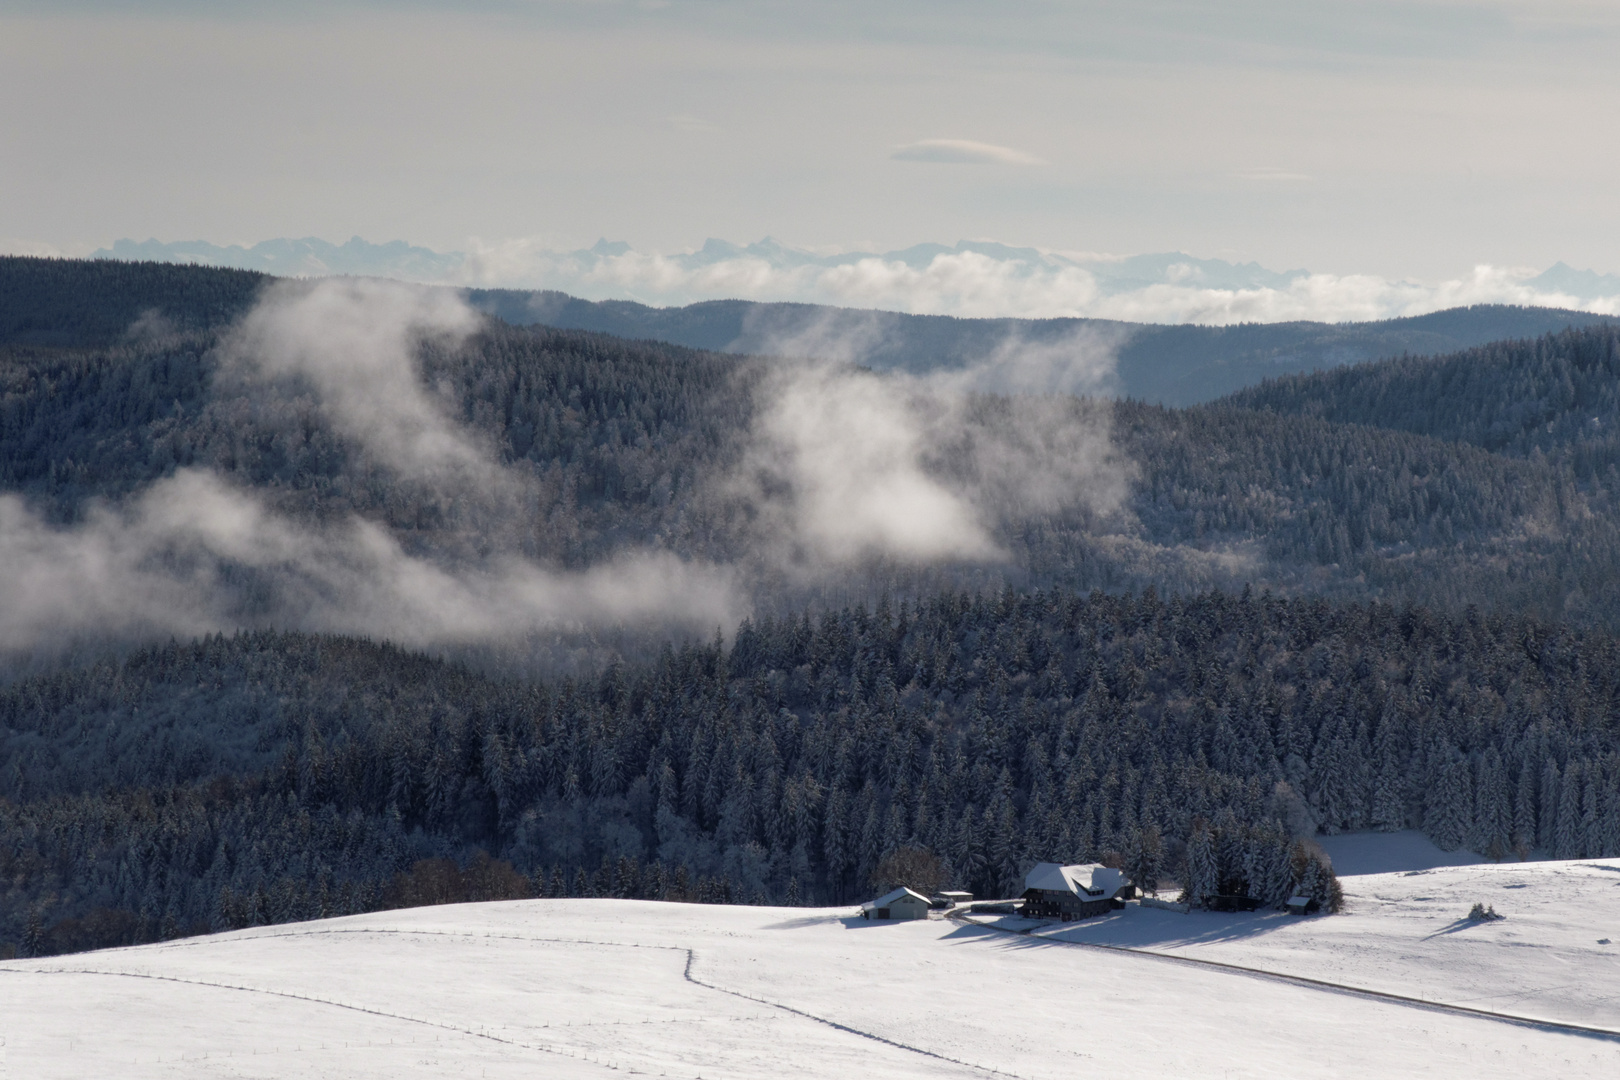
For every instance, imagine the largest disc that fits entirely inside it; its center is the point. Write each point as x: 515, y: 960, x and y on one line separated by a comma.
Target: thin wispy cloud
x: 844, y: 464
x: 962, y: 152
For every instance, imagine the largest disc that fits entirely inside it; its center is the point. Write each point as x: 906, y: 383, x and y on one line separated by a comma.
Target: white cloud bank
x: 353, y: 341
x: 991, y: 281
x: 971, y: 279
x: 192, y: 554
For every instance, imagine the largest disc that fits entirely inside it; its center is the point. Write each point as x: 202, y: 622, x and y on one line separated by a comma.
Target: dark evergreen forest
x: 1556, y: 397
x: 1379, y: 598
x: 92, y: 302
x: 269, y: 777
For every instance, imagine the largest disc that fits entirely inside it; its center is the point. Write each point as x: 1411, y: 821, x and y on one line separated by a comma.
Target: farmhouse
x: 902, y: 903
x: 1052, y: 891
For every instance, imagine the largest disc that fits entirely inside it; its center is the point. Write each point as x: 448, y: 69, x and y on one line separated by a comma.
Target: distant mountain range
x: 1170, y: 365
x: 1586, y: 284
x: 314, y: 257
x: 971, y: 278
x: 307, y: 257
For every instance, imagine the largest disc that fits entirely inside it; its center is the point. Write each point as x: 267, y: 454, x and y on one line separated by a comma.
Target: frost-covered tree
x: 1202, y: 871
x: 1568, y: 835
x: 1450, y: 804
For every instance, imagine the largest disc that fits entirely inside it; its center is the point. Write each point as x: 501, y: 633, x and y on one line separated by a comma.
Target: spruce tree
x: 1548, y: 804
x: 1567, y: 833
x: 1524, y: 811
x: 1447, y: 820
x: 1202, y: 871
x: 1144, y: 858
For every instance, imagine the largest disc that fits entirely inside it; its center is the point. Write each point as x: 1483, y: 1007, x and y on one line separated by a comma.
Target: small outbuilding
x: 950, y: 899
x: 902, y: 903
x: 1052, y: 891
x: 1303, y: 905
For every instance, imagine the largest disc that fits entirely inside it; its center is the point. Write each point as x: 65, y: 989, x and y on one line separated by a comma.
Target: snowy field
x: 595, y: 988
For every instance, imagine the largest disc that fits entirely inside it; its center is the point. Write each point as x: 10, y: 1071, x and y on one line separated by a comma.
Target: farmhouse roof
x: 1089, y: 881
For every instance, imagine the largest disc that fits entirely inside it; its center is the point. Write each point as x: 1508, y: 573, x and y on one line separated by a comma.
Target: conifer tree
x: 1548, y: 804
x: 1523, y: 836
x: 1144, y: 858
x: 1201, y: 868
x: 1448, y: 815
x: 1568, y: 834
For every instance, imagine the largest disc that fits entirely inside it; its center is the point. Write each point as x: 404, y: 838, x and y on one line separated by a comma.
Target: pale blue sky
x: 1391, y: 138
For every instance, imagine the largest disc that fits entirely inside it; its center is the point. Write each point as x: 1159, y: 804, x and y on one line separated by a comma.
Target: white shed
x: 902, y: 903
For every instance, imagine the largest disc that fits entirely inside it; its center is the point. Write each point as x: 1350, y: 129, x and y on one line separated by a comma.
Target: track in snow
x: 690, y: 955
x: 1302, y: 980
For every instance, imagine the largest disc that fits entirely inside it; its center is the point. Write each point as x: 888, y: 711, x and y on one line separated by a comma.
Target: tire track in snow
x: 1315, y: 984
x: 691, y: 958
x: 307, y: 998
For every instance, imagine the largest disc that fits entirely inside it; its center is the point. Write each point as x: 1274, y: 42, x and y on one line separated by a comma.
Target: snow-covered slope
x: 1356, y: 854
x: 581, y: 988
x: 1409, y: 934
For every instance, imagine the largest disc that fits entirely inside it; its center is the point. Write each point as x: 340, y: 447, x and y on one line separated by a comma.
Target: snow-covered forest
x: 270, y: 777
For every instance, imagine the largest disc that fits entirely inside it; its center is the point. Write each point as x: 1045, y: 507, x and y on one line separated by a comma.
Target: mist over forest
x: 328, y: 596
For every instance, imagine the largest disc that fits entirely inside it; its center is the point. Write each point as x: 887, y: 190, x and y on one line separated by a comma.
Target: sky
x: 1415, y: 139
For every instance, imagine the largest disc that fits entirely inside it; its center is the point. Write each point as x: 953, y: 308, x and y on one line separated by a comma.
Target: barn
x: 902, y: 903
x: 1303, y: 905
x: 1052, y: 891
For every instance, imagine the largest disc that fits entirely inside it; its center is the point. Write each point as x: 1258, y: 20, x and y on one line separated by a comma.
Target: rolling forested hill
x: 78, y: 302
x: 1378, y: 598
x: 1171, y: 365
x: 1557, y: 396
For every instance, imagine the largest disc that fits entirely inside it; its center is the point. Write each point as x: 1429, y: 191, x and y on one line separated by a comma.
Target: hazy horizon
x: 1386, y: 140
x: 972, y: 278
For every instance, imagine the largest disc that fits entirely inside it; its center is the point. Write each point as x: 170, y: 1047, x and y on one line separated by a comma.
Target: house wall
x: 1046, y: 904
x: 907, y: 908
